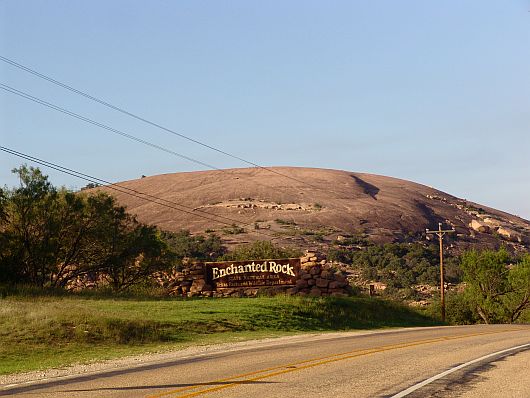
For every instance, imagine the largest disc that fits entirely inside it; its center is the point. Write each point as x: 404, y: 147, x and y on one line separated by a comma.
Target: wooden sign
x: 238, y: 274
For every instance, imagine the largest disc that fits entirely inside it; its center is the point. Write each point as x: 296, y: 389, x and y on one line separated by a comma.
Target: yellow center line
x: 296, y: 366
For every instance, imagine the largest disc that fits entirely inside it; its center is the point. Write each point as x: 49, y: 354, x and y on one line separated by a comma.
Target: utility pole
x: 440, y: 232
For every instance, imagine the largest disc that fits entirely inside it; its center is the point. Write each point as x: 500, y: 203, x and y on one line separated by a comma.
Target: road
x: 467, y: 361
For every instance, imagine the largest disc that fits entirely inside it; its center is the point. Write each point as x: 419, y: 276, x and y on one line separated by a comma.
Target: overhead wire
x: 122, y: 133
x: 30, y: 97
x: 147, y: 121
x: 126, y: 135
x: 129, y: 191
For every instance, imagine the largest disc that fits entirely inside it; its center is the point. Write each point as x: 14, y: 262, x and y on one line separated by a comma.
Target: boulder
x: 337, y: 284
x: 315, y: 270
x: 326, y: 274
x: 491, y: 222
x: 509, y: 234
x: 479, y: 226
x: 302, y: 283
x: 200, y: 285
x: 322, y: 283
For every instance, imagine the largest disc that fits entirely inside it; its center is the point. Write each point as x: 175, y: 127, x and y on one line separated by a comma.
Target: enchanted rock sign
x: 233, y: 274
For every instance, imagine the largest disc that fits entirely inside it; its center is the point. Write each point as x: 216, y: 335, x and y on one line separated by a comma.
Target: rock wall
x: 317, y: 277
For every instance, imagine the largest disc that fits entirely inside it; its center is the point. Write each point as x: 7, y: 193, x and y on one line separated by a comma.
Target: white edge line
x: 443, y: 374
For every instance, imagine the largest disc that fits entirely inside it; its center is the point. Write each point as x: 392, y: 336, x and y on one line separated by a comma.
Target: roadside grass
x: 49, y: 330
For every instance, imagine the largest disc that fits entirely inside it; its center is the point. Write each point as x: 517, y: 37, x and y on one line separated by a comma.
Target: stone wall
x: 317, y: 277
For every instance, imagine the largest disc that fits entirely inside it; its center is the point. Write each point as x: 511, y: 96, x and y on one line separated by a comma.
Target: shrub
x: 259, y: 250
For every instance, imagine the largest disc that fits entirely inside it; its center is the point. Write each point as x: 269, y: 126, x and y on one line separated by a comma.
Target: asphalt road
x: 468, y: 361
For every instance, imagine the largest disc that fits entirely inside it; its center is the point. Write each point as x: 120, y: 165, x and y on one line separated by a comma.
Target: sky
x: 433, y: 92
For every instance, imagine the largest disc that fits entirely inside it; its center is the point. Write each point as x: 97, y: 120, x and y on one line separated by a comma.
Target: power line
x: 27, y: 96
x: 123, y: 189
x: 110, y: 129
x: 113, y: 130
x: 42, y: 102
x: 147, y: 121
x: 126, y: 190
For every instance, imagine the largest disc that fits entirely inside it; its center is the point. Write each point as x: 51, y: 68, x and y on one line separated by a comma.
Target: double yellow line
x: 309, y: 363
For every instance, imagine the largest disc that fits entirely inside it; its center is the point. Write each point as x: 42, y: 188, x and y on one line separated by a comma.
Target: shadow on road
x: 164, y: 386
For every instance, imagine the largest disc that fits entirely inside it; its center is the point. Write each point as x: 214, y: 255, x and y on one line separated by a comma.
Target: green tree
x: 28, y: 225
x: 68, y: 239
x: 195, y: 247
x: 51, y: 236
x: 3, y: 203
x: 134, y: 253
x: 6, y: 270
x: 517, y: 299
x: 122, y: 250
x: 459, y: 310
x: 400, y: 265
x: 497, y: 289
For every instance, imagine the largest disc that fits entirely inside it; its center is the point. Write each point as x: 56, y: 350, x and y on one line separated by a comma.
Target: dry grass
x: 42, y: 332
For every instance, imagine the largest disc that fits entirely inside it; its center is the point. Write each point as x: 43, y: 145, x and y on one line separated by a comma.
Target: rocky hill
x: 317, y: 208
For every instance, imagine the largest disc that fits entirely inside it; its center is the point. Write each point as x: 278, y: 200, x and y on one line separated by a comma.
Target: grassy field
x: 40, y: 332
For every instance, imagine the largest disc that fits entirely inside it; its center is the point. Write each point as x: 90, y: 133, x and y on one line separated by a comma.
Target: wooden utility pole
x: 440, y: 232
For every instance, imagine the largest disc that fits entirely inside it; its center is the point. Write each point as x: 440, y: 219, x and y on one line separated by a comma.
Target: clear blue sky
x: 433, y: 92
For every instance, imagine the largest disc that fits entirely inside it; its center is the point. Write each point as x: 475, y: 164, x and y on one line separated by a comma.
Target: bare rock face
x: 509, y: 234
x: 315, y: 208
x: 479, y: 226
x: 491, y: 222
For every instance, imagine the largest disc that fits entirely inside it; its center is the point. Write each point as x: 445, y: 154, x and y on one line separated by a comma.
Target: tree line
x: 492, y: 286
x: 51, y: 237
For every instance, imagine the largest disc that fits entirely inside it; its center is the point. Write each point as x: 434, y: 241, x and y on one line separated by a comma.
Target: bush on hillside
x: 260, y: 250
x: 195, y: 247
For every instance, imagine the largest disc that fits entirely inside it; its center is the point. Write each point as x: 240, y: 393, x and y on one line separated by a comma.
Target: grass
x: 286, y: 223
x: 46, y: 331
